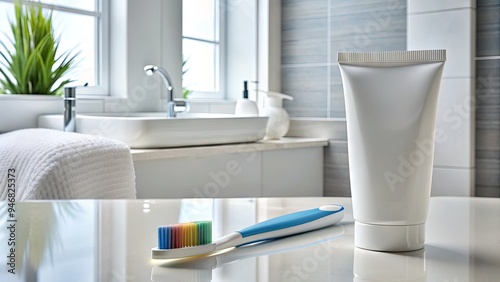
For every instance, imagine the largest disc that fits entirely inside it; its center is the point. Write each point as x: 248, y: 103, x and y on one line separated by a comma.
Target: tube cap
x: 389, y: 238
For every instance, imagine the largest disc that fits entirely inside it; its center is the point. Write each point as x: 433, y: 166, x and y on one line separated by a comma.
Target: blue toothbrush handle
x: 301, y: 218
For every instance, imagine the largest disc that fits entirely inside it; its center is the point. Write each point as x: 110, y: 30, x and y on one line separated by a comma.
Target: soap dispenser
x: 279, y: 120
x: 245, y: 106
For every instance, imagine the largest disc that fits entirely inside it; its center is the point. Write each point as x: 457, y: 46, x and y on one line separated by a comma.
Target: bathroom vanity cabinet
x: 289, y: 167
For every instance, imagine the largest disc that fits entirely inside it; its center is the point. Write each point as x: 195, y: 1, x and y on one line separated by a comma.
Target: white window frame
x: 221, y: 72
x: 102, y: 38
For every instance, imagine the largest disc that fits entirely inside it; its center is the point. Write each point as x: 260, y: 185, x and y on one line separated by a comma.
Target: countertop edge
x: 205, y: 151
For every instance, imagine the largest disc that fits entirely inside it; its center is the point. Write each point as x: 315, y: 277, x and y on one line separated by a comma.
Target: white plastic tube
x: 391, y: 100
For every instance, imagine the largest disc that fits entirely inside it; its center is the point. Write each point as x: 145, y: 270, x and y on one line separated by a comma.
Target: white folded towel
x: 51, y: 164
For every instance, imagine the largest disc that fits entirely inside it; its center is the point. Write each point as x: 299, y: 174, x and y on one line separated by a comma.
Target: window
x: 201, y: 48
x: 82, y: 27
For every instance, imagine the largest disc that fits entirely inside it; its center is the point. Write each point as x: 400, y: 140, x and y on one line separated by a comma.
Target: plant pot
x: 22, y: 111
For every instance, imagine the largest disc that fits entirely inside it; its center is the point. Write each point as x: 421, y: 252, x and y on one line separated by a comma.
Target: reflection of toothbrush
x: 282, y: 226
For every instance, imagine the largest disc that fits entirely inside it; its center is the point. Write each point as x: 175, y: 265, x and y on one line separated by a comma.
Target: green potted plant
x: 32, y: 66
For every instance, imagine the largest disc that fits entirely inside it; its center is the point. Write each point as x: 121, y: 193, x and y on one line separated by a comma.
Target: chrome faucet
x: 69, y: 109
x: 172, y: 105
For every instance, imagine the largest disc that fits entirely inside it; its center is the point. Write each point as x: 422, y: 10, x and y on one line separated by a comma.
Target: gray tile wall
x: 312, y: 34
x: 488, y: 28
x: 305, y: 56
x: 488, y: 99
x: 313, y: 31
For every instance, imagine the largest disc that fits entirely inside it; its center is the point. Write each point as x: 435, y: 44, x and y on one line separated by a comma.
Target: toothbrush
x: 191, y: 239
x: 201, y: 267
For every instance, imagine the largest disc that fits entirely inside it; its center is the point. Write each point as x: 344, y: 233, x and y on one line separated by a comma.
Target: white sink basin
x: 154, y: 130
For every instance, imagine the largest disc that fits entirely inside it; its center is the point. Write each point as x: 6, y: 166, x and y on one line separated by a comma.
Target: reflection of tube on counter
x: 200, y: 268
x: 171, y: 274
x: 372, y: 266
x: 391, y: 100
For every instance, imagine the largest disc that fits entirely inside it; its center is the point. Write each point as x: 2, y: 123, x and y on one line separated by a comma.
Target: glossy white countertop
x: 111, y: 241
x: 205, y: 151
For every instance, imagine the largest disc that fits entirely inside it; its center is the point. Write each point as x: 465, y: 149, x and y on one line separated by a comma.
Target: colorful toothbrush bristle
x: 183, y: 235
